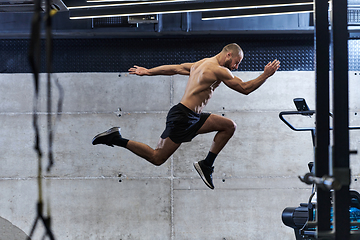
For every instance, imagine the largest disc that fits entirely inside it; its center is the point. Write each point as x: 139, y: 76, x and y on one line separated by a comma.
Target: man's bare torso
x: 201, y: 84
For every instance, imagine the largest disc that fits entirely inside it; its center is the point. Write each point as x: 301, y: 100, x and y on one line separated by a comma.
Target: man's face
x: 232, y: 62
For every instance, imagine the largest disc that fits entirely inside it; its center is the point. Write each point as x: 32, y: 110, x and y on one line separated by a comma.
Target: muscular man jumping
x: 186, y: 119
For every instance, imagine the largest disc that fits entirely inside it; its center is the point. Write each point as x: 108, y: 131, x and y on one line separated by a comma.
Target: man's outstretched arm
x: 183, y: 69
x: 246, y: 88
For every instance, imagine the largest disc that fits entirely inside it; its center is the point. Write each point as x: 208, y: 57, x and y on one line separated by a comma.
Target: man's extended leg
x: 165, y: 148
x: 225, y: 129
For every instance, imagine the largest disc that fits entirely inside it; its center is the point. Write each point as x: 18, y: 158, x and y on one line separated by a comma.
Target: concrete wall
x: 98, y: 192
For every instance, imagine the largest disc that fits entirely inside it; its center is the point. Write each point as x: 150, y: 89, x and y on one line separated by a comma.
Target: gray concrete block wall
x: 99, y: 192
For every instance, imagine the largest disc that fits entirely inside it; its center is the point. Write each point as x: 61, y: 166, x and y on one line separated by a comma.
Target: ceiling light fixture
x: 253, y: 15
x: 168, y: 9
x: 252, y: 12
x: 135, y: 2
x: 124, y: 4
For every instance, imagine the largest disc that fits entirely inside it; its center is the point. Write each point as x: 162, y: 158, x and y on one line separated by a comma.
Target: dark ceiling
x: 164, y: 17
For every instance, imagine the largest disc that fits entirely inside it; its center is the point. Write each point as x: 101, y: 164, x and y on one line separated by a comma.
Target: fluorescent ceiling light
x: 253, y: 15
x: 134, y: 2
x: 249, y: 12
x: 125, y: 4
x: 112, y: 1
x: 186, y: 8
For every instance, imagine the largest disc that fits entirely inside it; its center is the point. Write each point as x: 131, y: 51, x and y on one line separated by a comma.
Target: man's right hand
x: 141, y: 71
x: 271, y: 68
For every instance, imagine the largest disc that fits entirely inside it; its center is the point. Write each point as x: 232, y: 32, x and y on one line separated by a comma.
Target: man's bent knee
x: 157, y: 161
x: 231, y: 127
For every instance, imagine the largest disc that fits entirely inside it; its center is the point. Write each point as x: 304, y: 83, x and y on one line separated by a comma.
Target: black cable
x: 309, y: 202
x: 49, y: 70
x: 34, y: 59
x: 46, y: 222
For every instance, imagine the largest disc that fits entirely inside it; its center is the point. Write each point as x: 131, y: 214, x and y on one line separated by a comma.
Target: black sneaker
x: 107, y: 136
x: 205, y: 173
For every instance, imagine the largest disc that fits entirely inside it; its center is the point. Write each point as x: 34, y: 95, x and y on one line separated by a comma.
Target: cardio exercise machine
x: 303, y: 218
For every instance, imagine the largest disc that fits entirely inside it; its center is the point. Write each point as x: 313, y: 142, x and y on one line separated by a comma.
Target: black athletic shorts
x: 182, y: 124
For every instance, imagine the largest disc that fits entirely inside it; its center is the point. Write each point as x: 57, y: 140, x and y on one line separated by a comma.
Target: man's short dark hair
x: 234, y: 48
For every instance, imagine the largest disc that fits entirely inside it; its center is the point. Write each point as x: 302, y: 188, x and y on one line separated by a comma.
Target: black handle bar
x: 305, y: 113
